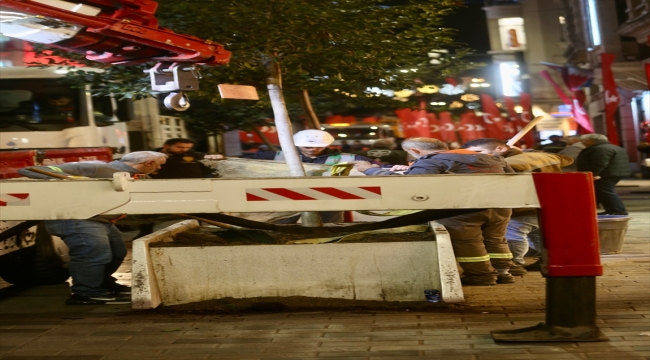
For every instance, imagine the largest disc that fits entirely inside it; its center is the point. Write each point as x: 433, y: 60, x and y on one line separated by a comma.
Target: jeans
x: 517, y: 234
x: 535, y: 242
x: 607, y: 196
x: 96, y: 251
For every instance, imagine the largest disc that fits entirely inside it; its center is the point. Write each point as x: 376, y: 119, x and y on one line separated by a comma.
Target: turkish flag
x: 610, y: 96
x: 414, y: 122
x: 470, y: 127
x: 434, y: 126
x: 447, y: 128
x: 579, y: 113
x: 525, y: 102
x: 513, y: 125
x: 494, y: 122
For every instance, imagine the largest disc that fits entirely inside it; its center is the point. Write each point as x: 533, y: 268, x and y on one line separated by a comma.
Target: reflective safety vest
x: 331, y: 160
x: 468, y: 259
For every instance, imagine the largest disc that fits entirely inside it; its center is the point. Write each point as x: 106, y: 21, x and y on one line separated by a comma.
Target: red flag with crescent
x: 493, y: 121
x: 434, y: 126
x: 610, y: 96
x: 414, y: 122
x: 525, y: 101
x: 513, y: 124
x: 447, y: 128
x: 470, y: 127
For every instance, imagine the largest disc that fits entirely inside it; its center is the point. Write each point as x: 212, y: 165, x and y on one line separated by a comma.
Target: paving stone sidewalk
x: 35, y: 324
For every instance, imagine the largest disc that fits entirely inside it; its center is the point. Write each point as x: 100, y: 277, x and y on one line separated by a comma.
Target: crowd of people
x: 489, y: 245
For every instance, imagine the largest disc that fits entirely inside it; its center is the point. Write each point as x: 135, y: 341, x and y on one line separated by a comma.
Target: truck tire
x: 45, y: 263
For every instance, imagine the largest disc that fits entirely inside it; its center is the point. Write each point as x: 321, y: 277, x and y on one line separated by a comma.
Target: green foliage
x: 333, y: 49
x: 221, y: 116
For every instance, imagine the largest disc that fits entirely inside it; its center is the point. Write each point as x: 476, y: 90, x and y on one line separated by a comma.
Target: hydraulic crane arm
x: 123, y: 32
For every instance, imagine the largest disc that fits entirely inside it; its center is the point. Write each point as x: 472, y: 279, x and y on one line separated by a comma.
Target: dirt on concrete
x: 211, y: 236
x: 301, y: 304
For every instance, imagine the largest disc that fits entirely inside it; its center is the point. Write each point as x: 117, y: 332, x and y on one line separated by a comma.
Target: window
x: 37, y: 104
x: 594, y: 30
x: 513, y: 35
x: 510, y: 75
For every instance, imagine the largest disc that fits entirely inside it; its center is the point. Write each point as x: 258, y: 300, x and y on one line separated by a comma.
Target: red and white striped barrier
x: 314, y: 193
x: 14, y: 199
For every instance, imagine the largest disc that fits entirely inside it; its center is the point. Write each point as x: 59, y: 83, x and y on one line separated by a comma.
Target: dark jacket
x: 605, y: 160
x: 185, y: 166
x: 321, y: 159
x: 459, y: 161
x: 386, y: 156
x: 90, y: 170
x: 554, y: 147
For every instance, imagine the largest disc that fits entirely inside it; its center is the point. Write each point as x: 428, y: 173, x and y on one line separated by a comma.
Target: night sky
x: 472, y: 26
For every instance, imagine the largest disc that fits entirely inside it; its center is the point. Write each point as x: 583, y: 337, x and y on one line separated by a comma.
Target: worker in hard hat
x: 313, y: 146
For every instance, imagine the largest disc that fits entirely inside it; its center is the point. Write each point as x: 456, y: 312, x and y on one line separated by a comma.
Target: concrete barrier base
x: 381, y: 271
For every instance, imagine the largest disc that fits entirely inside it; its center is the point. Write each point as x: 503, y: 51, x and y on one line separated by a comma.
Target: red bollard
x: 570, y: 261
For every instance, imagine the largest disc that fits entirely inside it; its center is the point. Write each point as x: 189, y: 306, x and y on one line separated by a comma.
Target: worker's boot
x: 517, y: 270
x: 505, y: 277
x: 536, y: 266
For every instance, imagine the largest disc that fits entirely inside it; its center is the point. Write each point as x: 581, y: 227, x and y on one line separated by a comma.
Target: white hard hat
x: 313, y: 138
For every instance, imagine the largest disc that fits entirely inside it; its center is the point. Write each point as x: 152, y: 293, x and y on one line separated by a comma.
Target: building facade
x: 526, y: 33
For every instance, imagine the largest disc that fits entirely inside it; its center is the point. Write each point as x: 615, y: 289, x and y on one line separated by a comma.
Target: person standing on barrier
x: 95, y: 245
x: 609, y: 164
x: 478, y: 238
x: 523, y: 227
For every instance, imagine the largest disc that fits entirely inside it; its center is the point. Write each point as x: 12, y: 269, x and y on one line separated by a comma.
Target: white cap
x: 313, y: 138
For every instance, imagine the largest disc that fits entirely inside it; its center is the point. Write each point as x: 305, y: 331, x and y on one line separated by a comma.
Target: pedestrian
x: 383, y: 150
x: 478, y: 239
x: 345, y: 146
x: 357, y: 146
x: 523, y: 228
x: 313, y: 148
x: 182, y: 163
x: 96, y: 247
x: 609, y: 164
x: 555, y: 146
x: 572, y: 150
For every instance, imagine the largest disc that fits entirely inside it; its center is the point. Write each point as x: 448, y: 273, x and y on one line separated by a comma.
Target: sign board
x: 243, y: 92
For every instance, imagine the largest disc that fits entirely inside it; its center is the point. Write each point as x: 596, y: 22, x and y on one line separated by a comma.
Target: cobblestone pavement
x: 36, y: 325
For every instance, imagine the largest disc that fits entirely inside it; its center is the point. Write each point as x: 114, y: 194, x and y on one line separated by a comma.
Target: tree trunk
x: 265, y: 140
x: 220, y: 144
x: 308, y: 110
x: 285, y: 132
